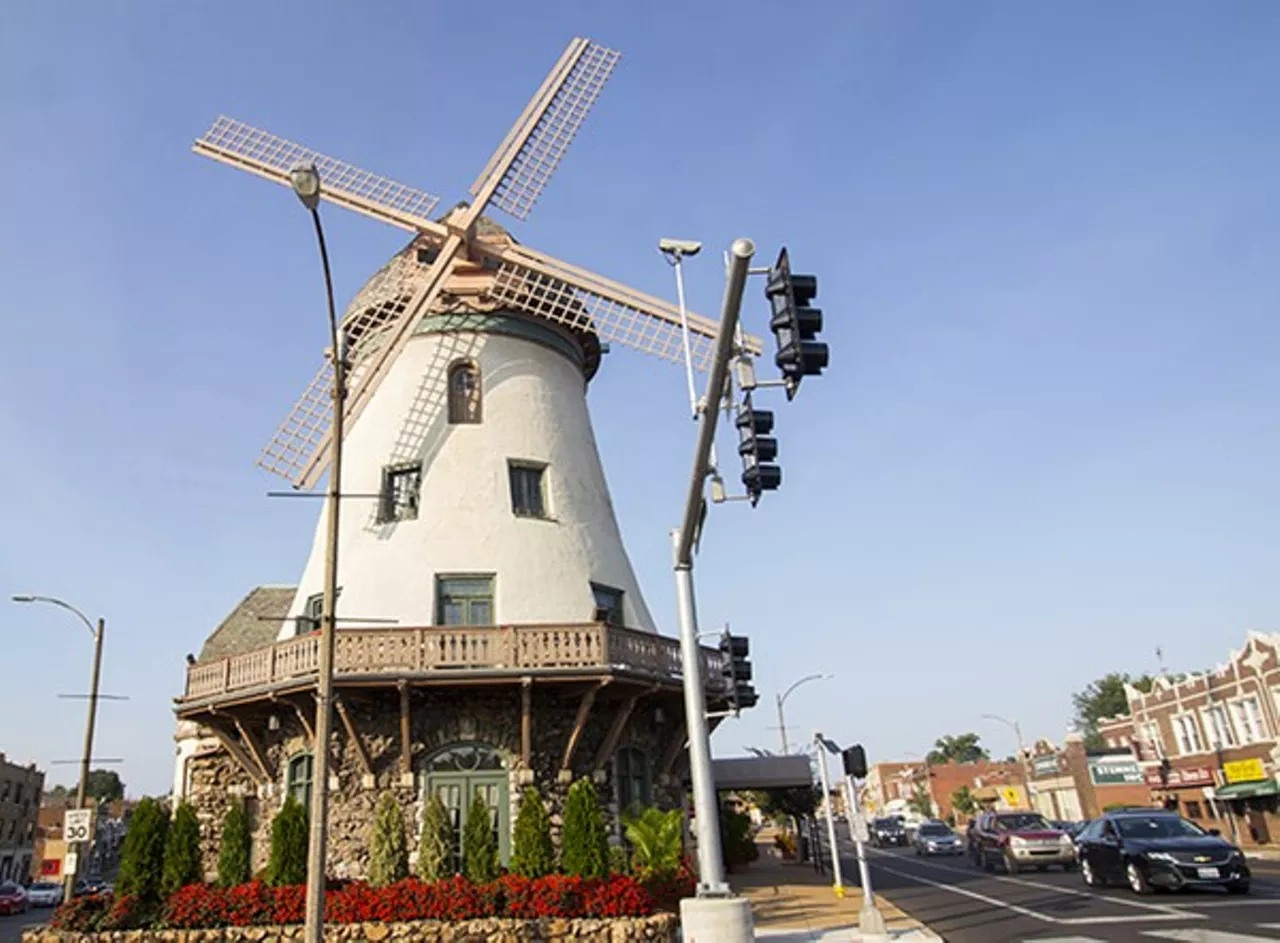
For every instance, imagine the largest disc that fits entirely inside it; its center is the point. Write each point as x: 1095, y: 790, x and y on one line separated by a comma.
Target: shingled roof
x: 253, y: 623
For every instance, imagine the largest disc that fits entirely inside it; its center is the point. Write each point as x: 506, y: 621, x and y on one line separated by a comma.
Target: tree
x: 657, y: 842
x: 584, y: 844
x: 963, y: 748
x: 182, y: 862
x: 288, y: 861
x: 1104, y: 697
x: 479, y: 843
x: 435, y: 847
x: 234, y: 866
x: 963, y: 802
x: 104, y: 785
x: 797, y: 802
x: 533, y: 854
x: 142, y: 855
x: 921, y: 803
x: 388, y: 852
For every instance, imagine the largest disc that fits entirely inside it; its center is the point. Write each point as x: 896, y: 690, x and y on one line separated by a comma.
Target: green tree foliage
x: 1104, y: 697
x: 963, y: 748
x: 435, y: 847
x: 584, y: 843
x: 234, y: 851
x: 737, y: 847
x: 388, y: 851
x: 963, y: 802
x: 182, y: 862
x: 920, y: 802
x: 533, y: 855
x: 783, y: 804
x: 479, y: 843
x: 657, y: 842
x: 288, y: 861
x: 142, y: 856
x: 104, y: 785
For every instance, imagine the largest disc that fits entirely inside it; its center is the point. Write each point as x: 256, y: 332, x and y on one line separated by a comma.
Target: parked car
x: 13, y: 899
x: 44, y: 894
x: 937, y: 838
x: 888, y: 831
x: 1019, y: 840
x: 1149, y: 848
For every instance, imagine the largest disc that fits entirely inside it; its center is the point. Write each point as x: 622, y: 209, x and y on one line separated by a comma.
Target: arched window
x: 298, y: 778
x: 635, y: 788
x: 464, y: 392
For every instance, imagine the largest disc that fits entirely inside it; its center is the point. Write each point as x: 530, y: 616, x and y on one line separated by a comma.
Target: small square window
x: 464, y: 600
x: 398, y: 499
x: 312, y: 612
x: 608, y: 604
x: 528, y: 498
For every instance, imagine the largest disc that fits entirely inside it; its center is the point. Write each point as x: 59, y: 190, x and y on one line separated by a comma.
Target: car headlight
x: 1017, y: 842
x: 1161, y: 856
x: 1065, y: 840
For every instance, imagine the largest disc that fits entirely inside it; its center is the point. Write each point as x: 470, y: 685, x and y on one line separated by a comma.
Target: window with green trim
x: 464, y: 600
x: 635, y: 787
x: 298, y: 778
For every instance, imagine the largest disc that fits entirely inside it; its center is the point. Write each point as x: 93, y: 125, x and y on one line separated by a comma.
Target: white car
x: 44, y: 894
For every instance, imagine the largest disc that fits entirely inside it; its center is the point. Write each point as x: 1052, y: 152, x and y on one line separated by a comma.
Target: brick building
x: 20, y: 789
x: 889, y: 786
x: 1074, y: 784
x: 1207, y: 743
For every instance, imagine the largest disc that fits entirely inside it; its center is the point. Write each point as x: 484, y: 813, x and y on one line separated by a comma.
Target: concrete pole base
x: 871, y: 923
x: 716, y: 920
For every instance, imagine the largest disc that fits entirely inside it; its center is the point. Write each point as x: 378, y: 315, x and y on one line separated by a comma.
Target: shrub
x: 657, y: 841
x: 533, y: 855
x: 667, y: 891
x: 479, y: 843
x: 435, y: 848
x: 142, y: 856
x: 82, y: 914
x: 234, y: 852
x: 388, y: 854
x: 288, y: 863
x: 584, y: 846
x: 182, y: 863
x: 737, y: 846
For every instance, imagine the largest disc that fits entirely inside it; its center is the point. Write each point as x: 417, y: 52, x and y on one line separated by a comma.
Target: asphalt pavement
x: 963, y: 904
x: 11, y: 926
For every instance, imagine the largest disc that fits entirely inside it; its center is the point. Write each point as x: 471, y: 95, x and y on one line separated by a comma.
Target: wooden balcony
x: 444, y: 654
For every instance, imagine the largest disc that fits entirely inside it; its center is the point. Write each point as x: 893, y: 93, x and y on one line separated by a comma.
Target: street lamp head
x: 305, y: 180
x: 23, y: 598
x: 675, y: 248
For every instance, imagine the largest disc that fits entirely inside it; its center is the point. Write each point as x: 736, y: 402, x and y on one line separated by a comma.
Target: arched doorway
x: 457, y: 774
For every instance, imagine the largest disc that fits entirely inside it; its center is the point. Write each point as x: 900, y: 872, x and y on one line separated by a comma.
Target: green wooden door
x: 457, y: 775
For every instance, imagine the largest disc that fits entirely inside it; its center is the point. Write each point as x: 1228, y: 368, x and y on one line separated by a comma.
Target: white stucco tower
x: 477, y: 492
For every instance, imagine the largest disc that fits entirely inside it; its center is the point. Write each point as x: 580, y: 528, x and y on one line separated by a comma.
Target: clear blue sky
x: 1047, y: 240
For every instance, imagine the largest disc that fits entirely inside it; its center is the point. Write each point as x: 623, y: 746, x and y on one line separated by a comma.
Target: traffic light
x: 737, y: 670
x: 758, y: 450
x: 794, y: 323
x: 855, y: 761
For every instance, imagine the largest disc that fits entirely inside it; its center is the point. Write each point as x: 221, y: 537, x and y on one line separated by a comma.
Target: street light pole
x: 782, y: 698
x: 1022, y: 754
x: 306, y: 184
x: 69, y: 879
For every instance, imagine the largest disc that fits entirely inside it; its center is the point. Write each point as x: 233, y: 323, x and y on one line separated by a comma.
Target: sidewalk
x: 792, y: 902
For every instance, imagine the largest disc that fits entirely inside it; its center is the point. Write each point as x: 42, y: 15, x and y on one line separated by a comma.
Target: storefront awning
x: 986, y: 794
x: 1262, y: 787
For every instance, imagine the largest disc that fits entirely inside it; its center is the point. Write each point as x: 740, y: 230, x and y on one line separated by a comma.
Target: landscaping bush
x: 584, y: 844
x: 288, y: 862
x: 738, y: 848
x: 657, y: 842
x: 142, y: 855
x: 479, y: 843
x: 182, y: 864
x: 388, y: 854
x: 234, y: 854
x: 435, y: 848
x: 533, y: 854
x: 666, y: 891
x: 82, y: 914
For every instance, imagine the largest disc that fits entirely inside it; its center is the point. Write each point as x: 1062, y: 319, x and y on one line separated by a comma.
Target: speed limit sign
x: 77, y: 826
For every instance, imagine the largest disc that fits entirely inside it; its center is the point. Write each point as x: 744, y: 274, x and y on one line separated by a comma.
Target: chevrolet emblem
x: 1200, y: 858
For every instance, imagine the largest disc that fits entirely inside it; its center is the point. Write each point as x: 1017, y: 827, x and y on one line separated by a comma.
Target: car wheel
x: 988, y: 864
x: 1091, y: 877
x: 1138, y: 882
x: 1010, y: 866
x: 1068, y: 866
x: 1240, y: 888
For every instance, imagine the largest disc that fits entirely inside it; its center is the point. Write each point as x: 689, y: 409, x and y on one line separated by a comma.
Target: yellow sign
x: 1244, y: 771
x: 1012, y: 796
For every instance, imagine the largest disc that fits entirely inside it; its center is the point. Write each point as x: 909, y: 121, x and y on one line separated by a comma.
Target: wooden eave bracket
x: 367, y: 780
x: 237, y: 752
x: 579, y: 724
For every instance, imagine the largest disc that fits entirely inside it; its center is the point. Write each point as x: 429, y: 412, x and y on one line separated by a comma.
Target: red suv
x: 1019, y: 840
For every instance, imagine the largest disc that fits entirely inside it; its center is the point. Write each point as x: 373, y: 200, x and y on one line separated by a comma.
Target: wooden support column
x: 237, y: 753
x: 406, y: 741
x: 615, y: 733
x: 579, y: 724
x: 526, y: 722
x: 367, y: 780
x: 256, y: 751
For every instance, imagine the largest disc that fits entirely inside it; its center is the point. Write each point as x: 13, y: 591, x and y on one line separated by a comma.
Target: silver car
x: 936, y: 838
x: 44, y: 894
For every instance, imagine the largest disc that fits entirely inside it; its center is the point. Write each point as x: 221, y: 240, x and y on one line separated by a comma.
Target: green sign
x: 1113, y: 770
x: 1045, y: 765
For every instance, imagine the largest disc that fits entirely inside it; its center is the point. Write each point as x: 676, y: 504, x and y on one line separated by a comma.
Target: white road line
x: 1200, y: 935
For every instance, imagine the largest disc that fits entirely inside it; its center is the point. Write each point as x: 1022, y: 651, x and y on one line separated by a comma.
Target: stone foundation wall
x: 660, y: 928
x: 439, y: 718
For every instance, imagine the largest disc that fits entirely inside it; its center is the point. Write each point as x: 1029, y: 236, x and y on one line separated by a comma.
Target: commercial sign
x: 1012, y: 796
x: 1045, y: 765
x: 1244, y: 771
x: 1114, y: 770
x: 1181, y: 777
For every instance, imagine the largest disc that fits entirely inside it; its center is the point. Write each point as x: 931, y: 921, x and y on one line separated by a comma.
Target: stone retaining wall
x: 660, y: 928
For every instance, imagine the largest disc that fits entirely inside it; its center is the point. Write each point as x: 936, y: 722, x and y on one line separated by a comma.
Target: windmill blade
x: 560, y: 292
x: 260, y: 152
x: 520, y: 168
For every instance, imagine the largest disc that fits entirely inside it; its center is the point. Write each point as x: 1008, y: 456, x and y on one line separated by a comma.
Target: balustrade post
x: 226, y: 675
x: 605, y: 649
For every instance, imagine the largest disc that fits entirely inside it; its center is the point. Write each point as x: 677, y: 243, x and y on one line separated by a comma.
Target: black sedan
x: 888, y: 831
x: 1148, y: 848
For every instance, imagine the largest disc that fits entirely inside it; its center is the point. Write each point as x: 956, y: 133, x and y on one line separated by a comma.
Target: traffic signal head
x: 758, y: 450
x: 855, y: 761
x: 794, y: 323
x: 737, y: 670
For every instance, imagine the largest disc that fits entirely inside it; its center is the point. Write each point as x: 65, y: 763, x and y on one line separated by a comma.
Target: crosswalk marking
x: 1200, y: 935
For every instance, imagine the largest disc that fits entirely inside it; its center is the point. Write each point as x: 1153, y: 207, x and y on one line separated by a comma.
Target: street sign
x: 1012, y: 796
x: 70, y: 863
x: 860, y: 830
x: 77, y: 825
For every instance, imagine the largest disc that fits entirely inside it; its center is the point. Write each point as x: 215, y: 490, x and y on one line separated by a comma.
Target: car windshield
x: 42, y: 886
x: 8, y: 887
x: 1157, y: 826
x: 1021, y: 823
x: 934, y: 831
x: 887, y: 823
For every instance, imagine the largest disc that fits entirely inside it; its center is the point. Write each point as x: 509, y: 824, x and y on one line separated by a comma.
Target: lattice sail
x: 527, y: 177
x: 240, y: 145
x: 303, y: 429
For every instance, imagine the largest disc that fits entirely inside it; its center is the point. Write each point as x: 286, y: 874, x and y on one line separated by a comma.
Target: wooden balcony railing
x: 401, y: 652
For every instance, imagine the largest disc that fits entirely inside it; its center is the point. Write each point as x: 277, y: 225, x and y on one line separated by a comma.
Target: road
x: 11, y: 926
x: 965, y: 905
